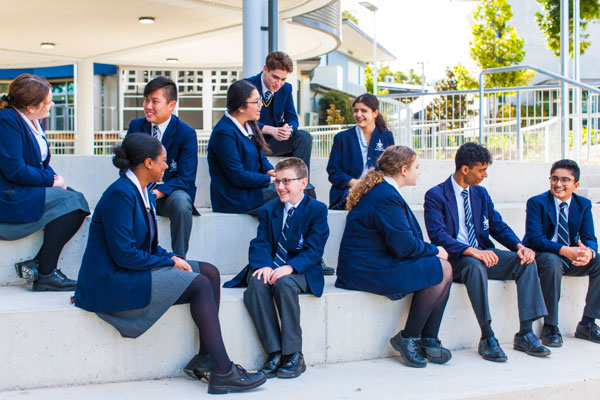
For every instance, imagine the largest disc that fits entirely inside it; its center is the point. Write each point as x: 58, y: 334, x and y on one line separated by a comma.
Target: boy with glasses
x: 284, y: 261
x: 560, y: 228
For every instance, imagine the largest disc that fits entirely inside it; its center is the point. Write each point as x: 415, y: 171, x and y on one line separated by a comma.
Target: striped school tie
x: 155, y: 131
x: 281, y: 253
x: 563, y: 231
x: 469, y: 220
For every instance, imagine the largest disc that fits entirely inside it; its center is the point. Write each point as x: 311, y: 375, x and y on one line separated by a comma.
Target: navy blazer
x: 24, y: 176
x: 441, y: 219
x: 179, y: 139
x: 238, y: 170
x: 281, y: 110
x: 115, y: 270
x: 382, y: 249
x: 307, y: 235
x: 541, y: 223
x: 346, y: 162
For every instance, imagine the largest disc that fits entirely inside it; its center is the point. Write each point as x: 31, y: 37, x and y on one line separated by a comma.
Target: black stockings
x: 203, y: 294
x: 427, y: 307
x: 56, y: 234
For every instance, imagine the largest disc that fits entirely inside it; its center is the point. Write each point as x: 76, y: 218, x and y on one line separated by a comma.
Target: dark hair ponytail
x: 371, y: 101
x: 238, y: 93
x: 135, y: 148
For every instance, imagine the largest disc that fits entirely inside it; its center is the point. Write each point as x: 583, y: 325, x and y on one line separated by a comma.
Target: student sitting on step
x: 357, y: 149
x: 383, y: 252
x: 130, y: 281
x: 560, y: 227
x: 460, y: 216
x: 32, y: 195
x: 240, y: 173
x: 284, y: 262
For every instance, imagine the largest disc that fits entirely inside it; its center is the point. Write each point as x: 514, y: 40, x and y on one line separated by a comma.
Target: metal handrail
x: 542, y: 71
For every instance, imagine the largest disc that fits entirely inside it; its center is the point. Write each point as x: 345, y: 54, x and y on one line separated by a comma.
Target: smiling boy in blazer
x: 284, y: 261
x: 560, y: 227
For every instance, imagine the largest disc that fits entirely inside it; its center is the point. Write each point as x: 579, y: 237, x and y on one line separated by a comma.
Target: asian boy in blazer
x: 460, y: 217
x: 284, y: 262
x: 175, y: 195
x: 560, y: 227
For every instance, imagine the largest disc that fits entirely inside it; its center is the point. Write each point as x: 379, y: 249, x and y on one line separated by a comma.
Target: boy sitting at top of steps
x: 284, y: 261
x: 560, y: 228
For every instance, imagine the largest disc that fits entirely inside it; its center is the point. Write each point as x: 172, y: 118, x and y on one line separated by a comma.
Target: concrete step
x: 91, y: 175
x: 592, y: 193
x: 48, y: 342
x: 590, y: 181
x: 571, y: 372
x: 221, y: 239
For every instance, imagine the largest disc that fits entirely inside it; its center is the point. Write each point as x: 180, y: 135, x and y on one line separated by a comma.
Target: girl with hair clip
x: 357, y: 149
x: 383, y: 252
x: 32, y: 195
x: 130, y: 281
x: 241, y: 176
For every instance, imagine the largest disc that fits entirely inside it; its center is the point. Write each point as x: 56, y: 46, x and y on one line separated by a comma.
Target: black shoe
x: 292, y: 366
x: 199, y: 367
x: 27, y: 270
x: 236, y: 380
x: 327, y: 270
x: 432, y: 350
x: 54, y: 282
x: 530, y: 344
x: 409, y: 350
x: 551, y: 336
x: 272, y: 364
x: 490, y: 350
x: 589, y: 332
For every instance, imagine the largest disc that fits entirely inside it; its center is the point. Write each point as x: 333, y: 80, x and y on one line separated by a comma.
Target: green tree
x: 549, y: 23
x: 495, y: 44
x: 348, y: 15
x: 383, y: 71
x: 341, y: 101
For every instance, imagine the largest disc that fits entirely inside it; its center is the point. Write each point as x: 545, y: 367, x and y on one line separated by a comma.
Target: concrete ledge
x: 91, y: 175
x: 47, y: 341
x: 571, y: 372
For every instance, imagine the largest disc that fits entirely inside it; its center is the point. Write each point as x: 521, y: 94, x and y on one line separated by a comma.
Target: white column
x: 254, y: 53
x: 564, y: 70
x: 577, y: 96
x: 207, y: 100
x: 84, y: 107
x: 283, y: 35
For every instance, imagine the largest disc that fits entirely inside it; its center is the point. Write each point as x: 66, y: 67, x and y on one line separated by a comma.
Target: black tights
x: 56, y: 234
x: 203, y: 294
x: 427, y: 307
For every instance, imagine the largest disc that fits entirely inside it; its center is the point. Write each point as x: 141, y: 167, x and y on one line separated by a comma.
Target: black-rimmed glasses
x: 285, y: 181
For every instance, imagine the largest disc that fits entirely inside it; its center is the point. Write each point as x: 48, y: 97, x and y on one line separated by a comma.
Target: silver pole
x: 564, y: 71
x: 589, y: 126
x: 519, y: 134
x: 375, y: 91
x: 481, y: 108
x: 252, y: 15
x: 578, y: 120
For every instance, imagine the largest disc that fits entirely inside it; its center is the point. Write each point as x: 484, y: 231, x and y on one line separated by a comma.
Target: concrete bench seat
x: 47, y: 342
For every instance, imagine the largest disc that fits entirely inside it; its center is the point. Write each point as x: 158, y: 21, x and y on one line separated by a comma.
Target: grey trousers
x: 474, y: 274
x: 259, y: 298
x: 178, y: 207
x: 551, y: 272
x: 298, y: 145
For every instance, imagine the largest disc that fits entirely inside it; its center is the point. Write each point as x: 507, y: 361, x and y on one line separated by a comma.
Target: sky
x: 437, y: 32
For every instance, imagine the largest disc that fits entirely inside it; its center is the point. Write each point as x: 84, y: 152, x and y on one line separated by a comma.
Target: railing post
x: 481, y: 108
x: 589, y: 126
x: 519, y: 134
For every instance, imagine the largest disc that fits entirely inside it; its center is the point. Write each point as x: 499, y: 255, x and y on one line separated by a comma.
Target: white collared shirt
x: 462, y: 235
x: 144, y: 193
x: 287, y: 207
x: 364, y: 148
x: 246, y: 131
x: 392, y: 182
x: 38, y: 133
x: 161, y: 128
x: 557, y: 205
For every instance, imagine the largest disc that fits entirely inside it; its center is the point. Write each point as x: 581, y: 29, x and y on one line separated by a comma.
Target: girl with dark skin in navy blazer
x: 32, y: 195
x: 130, y: 281
x: 357, y: 149
x: 239, y: 170
x: 383, y: 252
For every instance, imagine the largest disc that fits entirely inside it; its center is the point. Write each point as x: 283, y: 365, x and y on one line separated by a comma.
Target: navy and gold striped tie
x: 281, y: 253
x: 469, y: 220
x: 563, y: 231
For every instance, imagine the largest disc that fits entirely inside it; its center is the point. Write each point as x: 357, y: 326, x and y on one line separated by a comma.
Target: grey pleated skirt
x: 58, y: 203
x: 168, y: 284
